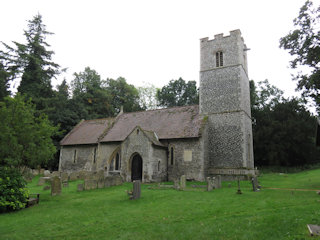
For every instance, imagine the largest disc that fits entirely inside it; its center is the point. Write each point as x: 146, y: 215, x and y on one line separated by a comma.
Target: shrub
x: 13, y: 191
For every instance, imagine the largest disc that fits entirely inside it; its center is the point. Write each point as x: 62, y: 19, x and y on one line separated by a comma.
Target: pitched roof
x: 177, y: 122
x: 87, y: 132
x: 169, y: 123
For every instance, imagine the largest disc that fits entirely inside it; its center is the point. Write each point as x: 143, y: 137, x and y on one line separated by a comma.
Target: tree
x: 91, y: 95
x: 123, y: 94
x: 303, y: 44
x: 148, y: 97
x: 178, y: 93
x: 25, y: 139
x: 283, y: 129
x: 34, y: 62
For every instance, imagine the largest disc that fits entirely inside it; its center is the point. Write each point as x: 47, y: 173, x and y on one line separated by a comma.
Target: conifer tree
x: 35, y: 63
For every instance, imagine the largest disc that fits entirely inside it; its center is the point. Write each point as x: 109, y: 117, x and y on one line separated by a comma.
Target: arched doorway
x: 136, y: 167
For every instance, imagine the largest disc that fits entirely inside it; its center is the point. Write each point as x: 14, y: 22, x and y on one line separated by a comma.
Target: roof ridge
x: 162, y: 109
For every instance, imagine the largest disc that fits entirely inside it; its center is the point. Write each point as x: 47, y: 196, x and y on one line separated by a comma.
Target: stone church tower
x: 225, y: 105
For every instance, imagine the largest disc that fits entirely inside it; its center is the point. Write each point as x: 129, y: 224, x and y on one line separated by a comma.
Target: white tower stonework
x: 225, y: 103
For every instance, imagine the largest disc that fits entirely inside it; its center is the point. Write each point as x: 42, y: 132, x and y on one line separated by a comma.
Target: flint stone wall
x: 193, y: 169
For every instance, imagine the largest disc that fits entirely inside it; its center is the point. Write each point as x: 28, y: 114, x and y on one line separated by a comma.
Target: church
x: 212, y: 138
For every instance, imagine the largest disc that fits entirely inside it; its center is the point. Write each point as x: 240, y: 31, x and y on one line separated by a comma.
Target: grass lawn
x: 170, y: 214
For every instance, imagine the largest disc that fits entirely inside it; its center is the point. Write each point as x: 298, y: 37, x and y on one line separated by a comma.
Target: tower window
x: 219, y: 59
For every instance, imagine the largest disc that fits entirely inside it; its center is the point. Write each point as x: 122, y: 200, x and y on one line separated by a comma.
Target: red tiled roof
x: 169, y: 123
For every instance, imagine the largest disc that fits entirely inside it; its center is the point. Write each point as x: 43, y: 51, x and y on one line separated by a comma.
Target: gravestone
x: 82, y: 174
x: 46, y: 173
x: 80, y: 187
x: 183, y: 182
x: 217, y: 181
x: 112, y: 181
x: 90, y: 184
x: 255, y: 184
x: 55, y: 174
x: 210, y: 183
x: 136, y: 193
x: 43, y: 180
x: 73, y: 176
x: 65, y: 184
x: 101, y: 183
x: 176, y: 184
x: 55, y: 186
x: 239, y: 190
x: 47, y: 187
x: 64, y: 176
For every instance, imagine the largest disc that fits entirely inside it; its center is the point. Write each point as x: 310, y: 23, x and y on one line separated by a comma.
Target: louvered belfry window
x: 219, y: 59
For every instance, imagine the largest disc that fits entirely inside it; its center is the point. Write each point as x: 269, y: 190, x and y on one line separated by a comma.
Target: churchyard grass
x: 170, y: 214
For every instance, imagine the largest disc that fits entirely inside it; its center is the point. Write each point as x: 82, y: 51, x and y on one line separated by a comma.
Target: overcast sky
x: 156, y: 41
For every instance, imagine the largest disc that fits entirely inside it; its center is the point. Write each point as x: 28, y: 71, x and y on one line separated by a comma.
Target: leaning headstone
x: 176, y: 184
x: 136, y: 193
x: 46, y: 173
x: 183, y: 182
x: 43, y: 180
x: 80, y: 187
x: 55, y: 186
x: 90, y: 184
x: 210, y: 183
x: 218, y: 181
x: 47, y: 187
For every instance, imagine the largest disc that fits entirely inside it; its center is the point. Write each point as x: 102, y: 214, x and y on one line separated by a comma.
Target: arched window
x: 115, y: 163
x: 117, y: 167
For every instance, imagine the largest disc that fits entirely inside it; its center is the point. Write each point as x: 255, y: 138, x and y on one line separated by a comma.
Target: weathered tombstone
x: 43, y: 180
x: 65, y: 184
x: 80, y: 187
x: 101, y: 183
x: 90, y: 184
x: 176, y: 184
x: 239, y: 190
x: 46, y: 173
x: 100, y: 174
x: 183, y: 182
x: 255, y: 184
x: 136, y: 193
x: 218, y: 181
x: 41, y: 171
x: 88, y: 175
x: 73, y: 176
x: 210, y: 183
x: 47, y: 187
x: 64, y: 176
x: 55, y: 186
